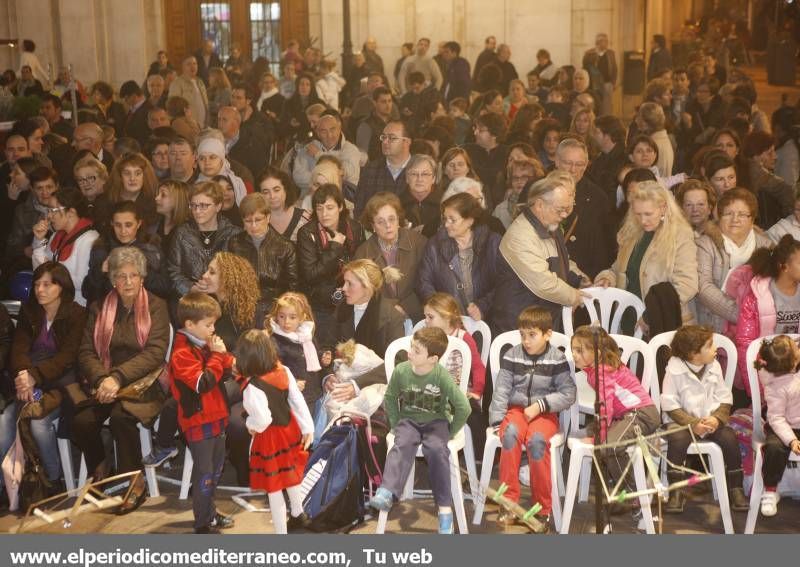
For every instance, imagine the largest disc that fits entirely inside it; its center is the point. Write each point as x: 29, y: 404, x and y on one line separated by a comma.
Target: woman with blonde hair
x: 172, y: 206
x: 133, y: 179
x: 219, y: 91
x: 582, y: 127
x: 455, y: 163
x: 656, y: 245
x: 366, y: 316
x: 515, y: 100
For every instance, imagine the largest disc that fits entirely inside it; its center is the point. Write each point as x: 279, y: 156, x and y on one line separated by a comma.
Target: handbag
x: 13, y: 465
x: 35, y: 485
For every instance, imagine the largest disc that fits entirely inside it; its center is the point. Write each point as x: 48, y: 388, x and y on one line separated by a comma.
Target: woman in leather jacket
x: 324, y: 246
x: 273, y: 257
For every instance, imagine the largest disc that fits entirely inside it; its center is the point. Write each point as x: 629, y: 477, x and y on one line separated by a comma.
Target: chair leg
x: 383, y: 515
x: 458, y: 494
x: 83, y: 472
x: 586, y: 479
x: 65, y: 453
x: 479, y: 502
x: 469, y: 458
x: 641, y: 484
x: 146, y: 442
x: 720, y: 484
x: 577, y: 456
x: 186, y: 478
x: 555, y: 477
x: 755, y: 492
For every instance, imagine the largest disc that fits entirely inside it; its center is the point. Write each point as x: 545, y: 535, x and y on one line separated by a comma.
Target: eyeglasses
x: 561, y: 210
x: 255, y: 220
x: 160, y: 154
x: 86, y: 180
x: 54, y: 210
x: 575, y: 164
x: 391, y: 138
x: 127, y: 277
x: 391, y: 221
x: 420, y: 174
x: 730, y: 215
x: 200, y: 206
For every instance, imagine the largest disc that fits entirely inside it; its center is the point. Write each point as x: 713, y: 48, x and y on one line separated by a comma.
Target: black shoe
x: 297, y: 522
x: 736, y: 496
x: 221, y: 522
x: 212, y: 530
x: 135, y: 499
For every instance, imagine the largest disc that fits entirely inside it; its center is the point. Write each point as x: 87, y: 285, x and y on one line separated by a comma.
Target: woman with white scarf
x: 724, y: 246
x: 212, y: 161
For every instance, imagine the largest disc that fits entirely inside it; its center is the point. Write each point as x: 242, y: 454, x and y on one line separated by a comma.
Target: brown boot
x: 738, y: 500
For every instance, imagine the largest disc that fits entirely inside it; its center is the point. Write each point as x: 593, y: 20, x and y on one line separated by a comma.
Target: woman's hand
x: 602, y: 281
x: 24, y: 383
x: 200, y: 286
x: 343, y: 392
x: 339, y: 237
x: 400, y: 310
x: 107, y: 392
x: 40, y: 229
x: 474, y: 311
x: 794, y: 446
x: 301, y: 385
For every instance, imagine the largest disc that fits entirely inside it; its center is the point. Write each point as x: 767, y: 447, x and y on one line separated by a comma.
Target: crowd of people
x: 228, y: 204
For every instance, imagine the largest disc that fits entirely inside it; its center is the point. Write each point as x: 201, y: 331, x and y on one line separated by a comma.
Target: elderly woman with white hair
x: 475, y: 188
x: 212, y: 162
x: 420, y: 198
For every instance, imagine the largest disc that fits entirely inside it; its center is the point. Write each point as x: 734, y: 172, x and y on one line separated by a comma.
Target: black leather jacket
x: 319, y: 267
x: 188, y: 259
x: 275, y: 262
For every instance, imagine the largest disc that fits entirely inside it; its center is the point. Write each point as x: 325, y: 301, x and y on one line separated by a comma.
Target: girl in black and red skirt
x: 281, y: 426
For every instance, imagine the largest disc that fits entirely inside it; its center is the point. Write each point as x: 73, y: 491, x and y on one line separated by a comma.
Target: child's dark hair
x: 770, y: 262
x: 776, y: 355
x: 535, y: 318
x: 255, y: 353
x: 433, y: 339
x: 609, y: 351
x: 195, y: 306
x: 689, y: 340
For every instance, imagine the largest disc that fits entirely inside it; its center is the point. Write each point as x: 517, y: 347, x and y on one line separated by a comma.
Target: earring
x: 662, y: 218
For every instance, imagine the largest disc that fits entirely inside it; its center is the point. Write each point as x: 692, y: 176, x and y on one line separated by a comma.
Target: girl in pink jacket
x: 626, y: 404
x: 777, y: 370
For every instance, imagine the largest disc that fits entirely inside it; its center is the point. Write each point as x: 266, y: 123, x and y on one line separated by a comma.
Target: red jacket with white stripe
x: 195, y: 380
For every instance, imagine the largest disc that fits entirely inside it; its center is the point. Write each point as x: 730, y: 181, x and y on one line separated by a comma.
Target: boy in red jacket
x: 199, y: 361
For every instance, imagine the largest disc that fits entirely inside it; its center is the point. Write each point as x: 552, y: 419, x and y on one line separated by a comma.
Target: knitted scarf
x: 104, y: 326
x: 62, y: 242
x: 305, y: 336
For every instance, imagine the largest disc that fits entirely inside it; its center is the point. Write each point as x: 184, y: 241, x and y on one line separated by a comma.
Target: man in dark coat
x: 457, y: 80
x: 206, y: 59
x: 485, y: 57
x: 387, y: 173
x: 609, y: 134
x: 138, y: 107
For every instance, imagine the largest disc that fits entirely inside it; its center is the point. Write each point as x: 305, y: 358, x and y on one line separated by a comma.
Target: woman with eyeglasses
x: 196, y: 241
x: 393, y: 244
x: 71, y: 240
x: 158, y: 150
x: 656, y: 245
x: 461, y: 258
x: 273, y: 257
x: 90, y: 175
x: 325, y: 244
x: 420, y: 197
x: 282, y: 194
x: 724, y: 246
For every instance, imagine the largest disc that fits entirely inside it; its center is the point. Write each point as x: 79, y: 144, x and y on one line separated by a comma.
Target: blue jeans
x: 44, y: 433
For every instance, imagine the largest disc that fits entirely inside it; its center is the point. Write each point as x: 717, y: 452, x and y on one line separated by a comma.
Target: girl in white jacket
x: 694, y: 393
x: 330, y: 85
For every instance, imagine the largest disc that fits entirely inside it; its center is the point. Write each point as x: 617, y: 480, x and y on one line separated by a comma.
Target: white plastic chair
x: 473, y: 327
x: 457, y: 444
x: 493, y: 443
x: 580, y: 461
x: 606, y: 306
x: 758, y: 435
x: 717, y: 462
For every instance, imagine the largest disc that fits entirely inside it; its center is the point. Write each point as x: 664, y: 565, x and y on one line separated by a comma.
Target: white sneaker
x: 769, y: 503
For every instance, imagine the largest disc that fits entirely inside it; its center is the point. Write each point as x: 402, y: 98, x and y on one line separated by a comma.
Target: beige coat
x: 195, y: 94
x: 676, y: 265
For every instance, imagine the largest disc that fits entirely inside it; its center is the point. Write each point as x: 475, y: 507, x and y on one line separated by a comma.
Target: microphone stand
x: 601, y: 510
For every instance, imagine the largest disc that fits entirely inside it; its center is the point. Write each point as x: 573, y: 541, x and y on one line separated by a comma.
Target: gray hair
x: 419, y: 159
x: 543, y: 189
x: 571, y: 143
x: 582, y: 72
x: 126, y: 256
x: 463, y: 185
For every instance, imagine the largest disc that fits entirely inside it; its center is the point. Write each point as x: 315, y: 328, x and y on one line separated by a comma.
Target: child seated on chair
x: 777, y: 370
x: 533, y: 385
x: 626, y: 403
x: 199, y: 360
x: 694, y: 393
x: 424, y: 406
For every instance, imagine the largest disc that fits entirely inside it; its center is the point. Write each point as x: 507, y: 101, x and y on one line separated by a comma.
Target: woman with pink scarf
x: 124, y: 342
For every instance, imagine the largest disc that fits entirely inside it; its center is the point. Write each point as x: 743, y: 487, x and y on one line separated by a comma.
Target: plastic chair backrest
x: 473, y: 327
x: 720, y: 342
x: 607, y: 306
x: 752, y: 378
x: 404, y: 343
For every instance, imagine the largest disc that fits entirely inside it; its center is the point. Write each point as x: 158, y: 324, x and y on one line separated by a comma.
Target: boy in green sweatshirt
x: 424, y: 406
